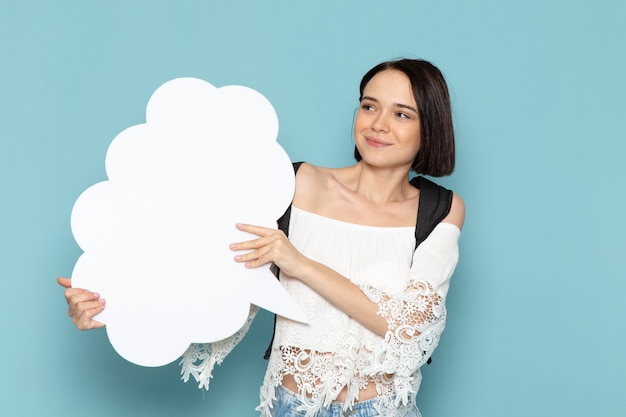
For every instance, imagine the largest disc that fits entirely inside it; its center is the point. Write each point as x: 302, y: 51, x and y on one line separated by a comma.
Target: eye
x: 367, y: 107
x: 403, y: 115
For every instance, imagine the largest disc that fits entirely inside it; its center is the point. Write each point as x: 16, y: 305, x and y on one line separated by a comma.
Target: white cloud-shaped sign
x: 155, y: 236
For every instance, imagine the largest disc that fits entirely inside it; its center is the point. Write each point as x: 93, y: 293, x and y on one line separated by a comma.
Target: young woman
x: 376, y: 304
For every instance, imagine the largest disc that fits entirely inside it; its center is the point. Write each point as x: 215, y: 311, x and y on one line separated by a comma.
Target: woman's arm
x: 273, y: 246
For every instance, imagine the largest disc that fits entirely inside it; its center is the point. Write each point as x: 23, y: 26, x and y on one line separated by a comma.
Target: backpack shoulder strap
x: 283, y: 222
x: 434, y: 205
x: 435, y: 202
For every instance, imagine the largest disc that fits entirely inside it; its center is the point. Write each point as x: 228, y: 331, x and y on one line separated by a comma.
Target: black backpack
x: 434, y: 205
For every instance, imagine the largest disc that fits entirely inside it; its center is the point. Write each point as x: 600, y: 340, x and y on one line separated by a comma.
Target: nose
x: 381, y: 122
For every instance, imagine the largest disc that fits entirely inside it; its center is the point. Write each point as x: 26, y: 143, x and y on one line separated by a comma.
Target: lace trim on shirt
x: 200, y: 358
x: 416, y: 319
x: 321, y: 376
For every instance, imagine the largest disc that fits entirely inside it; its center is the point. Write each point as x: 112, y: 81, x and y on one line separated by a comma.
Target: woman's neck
x: 379, y: 185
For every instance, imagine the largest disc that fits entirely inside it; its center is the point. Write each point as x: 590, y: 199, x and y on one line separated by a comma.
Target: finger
x: 250, y: 244
x: 81, y: 301
x: 257, y: 258
x: 77, y: 309
x: 84, y: 314
x: 253, y: 255
x: 88, y: 323
x: 268, y: 236
x: 74, y: 296
x: 96, y: 324
x: 64, y: 282
x: 257, y: 230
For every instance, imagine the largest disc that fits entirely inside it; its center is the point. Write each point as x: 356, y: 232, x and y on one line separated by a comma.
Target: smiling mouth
x: 376, y: 143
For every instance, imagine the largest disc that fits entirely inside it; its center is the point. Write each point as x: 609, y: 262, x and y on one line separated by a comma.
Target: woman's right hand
x: 83, y: 305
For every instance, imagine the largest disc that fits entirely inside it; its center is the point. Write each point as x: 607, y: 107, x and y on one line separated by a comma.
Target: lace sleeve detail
x: 416, y: 316
x: 200, y: 358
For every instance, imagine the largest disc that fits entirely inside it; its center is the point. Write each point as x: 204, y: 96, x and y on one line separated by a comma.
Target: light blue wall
x: 536, y: 310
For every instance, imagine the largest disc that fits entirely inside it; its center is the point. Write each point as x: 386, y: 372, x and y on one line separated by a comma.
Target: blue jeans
x: 287, y: 402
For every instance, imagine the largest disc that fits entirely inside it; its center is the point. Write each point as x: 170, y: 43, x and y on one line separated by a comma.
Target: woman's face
x: 387, y: 127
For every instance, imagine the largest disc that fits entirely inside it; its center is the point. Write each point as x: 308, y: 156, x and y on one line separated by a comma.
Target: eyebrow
x: 403, y: 106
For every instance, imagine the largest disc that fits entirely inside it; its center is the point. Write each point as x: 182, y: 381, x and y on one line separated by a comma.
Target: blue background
x: 536, y: 310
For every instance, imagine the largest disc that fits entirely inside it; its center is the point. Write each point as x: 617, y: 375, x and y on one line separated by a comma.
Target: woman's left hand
x: 271, y: 246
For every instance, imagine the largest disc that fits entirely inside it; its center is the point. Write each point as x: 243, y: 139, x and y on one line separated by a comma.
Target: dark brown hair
x: 436, y: 154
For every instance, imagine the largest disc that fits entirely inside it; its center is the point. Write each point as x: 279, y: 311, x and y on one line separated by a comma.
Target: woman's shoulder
x: 315, y: 182
x: 314, y: 175
x: 456, y: 216
x: 317, y: 169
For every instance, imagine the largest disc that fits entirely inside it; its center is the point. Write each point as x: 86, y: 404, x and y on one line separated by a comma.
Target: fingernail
x: 232, y: 245
x: 102, y: 301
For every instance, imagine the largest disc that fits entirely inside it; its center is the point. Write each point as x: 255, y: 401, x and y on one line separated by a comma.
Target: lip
x: 375, y: 142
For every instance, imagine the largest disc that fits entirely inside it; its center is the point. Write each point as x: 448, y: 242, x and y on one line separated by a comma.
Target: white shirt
x: 334, y: 351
